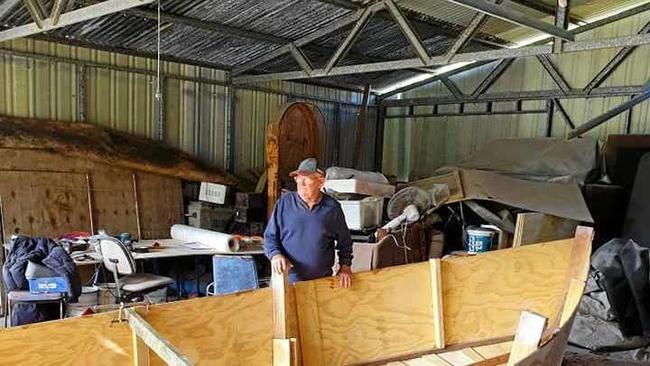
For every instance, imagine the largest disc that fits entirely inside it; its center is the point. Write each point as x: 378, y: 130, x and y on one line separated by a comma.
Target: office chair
x: 118, y: 260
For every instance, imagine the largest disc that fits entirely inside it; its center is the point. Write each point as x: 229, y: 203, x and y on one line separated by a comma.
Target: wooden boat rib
x: 454, y: 311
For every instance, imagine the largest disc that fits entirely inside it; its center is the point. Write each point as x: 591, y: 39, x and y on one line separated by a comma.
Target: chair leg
x: 8, y: 318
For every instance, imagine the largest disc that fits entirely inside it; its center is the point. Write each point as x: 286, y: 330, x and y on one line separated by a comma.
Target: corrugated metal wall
x: 416, y: 147
x: 52, y: 84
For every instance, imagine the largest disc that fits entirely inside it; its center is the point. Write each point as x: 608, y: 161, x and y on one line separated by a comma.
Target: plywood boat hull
x: 390, y: 315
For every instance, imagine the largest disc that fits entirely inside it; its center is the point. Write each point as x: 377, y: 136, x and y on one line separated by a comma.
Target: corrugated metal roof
x: 277, y: 22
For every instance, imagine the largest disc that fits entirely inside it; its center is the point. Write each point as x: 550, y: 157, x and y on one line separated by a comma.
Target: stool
x: 17, y: 297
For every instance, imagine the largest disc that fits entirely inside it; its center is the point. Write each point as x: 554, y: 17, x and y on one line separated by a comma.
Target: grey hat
x: 307, y: 166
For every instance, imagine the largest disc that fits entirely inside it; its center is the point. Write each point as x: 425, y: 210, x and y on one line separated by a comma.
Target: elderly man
x: 303, y: 227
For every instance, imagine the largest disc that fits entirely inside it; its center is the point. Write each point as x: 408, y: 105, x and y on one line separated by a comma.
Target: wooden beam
x: 527, y: 337
x: 140, y: 350
x: 280, y: 286
x: 436, y: 293
x: 536, y: 227
x: 165, y: 350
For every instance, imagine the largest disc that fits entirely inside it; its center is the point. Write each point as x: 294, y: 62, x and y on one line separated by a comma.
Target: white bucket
x: 89, y: 297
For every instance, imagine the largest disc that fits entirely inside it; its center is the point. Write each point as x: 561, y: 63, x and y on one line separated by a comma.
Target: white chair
x: 119, y: 261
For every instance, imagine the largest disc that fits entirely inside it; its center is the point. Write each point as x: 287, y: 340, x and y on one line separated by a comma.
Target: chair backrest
x: 115, y: 254
x: 234, y: 273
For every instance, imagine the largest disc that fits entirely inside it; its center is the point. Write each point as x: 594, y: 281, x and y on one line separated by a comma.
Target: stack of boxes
x: 213, y: 210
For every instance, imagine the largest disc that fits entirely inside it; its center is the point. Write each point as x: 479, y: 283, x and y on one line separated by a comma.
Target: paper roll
x: 220, y: 241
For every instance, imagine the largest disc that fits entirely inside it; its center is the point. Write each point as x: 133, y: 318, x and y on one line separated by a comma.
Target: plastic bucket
x: 479, y: 239
x: 89, y: 297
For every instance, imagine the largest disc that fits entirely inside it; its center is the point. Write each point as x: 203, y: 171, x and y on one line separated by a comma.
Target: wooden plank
x: 386, y: 313
x: 436, y: 293
x: 280, y: 287
x: 435, y: 360
x: 44, y: 203
x: 494, y: 350
x: 535, y: 227
x: 156, y: 342
x: 528, y: 335
x: 573, y: 297
x: 579, y: 268
x: 282, y: 355
x: 484, y: 294
x: 309, y: 324
x: 140, y: 351
x: 462, y: 357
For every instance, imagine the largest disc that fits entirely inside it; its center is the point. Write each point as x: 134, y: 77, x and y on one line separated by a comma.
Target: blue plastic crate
x: 48, y: 285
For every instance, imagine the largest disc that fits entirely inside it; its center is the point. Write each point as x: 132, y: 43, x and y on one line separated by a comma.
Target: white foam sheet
x: 219, y: 241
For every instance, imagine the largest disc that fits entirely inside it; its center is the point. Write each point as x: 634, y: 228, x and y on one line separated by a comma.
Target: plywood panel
x: 83, y: 341
x: 160, y: 201
x: 44, y: 203
x: 483, y: 295
x: 160, y: 198
x: 386, y: 313
x: 535, y: 227
x: 224, y: 330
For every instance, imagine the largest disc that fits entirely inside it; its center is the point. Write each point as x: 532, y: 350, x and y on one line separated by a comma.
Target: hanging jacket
x: 42, y: 251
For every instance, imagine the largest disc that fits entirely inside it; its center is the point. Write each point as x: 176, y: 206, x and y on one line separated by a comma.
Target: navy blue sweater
x: 306, y: 237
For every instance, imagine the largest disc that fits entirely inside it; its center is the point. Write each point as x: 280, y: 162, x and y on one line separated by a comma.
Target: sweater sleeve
x: 343, y: 239
x: 272, y: 243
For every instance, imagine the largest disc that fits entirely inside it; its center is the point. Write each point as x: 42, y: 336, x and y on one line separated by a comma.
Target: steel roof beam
x: 72, y: 17
x: 344, y: 47
x: 536, y: 50
x: 405, y: 27
x: 554, y: 73
x: 515, y: 17
x: 614, y: 63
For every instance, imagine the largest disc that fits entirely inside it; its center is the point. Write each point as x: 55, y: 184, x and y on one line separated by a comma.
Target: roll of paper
x: 220, y: 241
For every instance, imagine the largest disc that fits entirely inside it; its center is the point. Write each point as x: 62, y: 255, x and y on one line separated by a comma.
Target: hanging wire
x: 158, y: 92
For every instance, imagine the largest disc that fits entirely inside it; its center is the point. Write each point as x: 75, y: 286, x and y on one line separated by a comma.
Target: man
x: 303, y: 227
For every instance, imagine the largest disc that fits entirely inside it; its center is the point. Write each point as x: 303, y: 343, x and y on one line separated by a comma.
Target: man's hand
x: 345, y: 276
x: 280, y: 264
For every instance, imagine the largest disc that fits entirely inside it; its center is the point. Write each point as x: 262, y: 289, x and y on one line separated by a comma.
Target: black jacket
x: 42, y: 251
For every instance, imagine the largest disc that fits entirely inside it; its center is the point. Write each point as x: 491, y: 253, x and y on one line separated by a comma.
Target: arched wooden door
x: 298, y: 132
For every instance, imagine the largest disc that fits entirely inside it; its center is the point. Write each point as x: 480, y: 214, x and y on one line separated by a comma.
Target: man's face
x: 309, y: 186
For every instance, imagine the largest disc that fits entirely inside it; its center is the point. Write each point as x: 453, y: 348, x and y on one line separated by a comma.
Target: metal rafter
x: 597, y: 121
x: 492, y: 77
x: 431, y: 80
x: 57, y: 9
x: 563, y: 10
x: 563, y: 113
x: 602, y: 92
x: 36, y: 11
x: 344, y: 47
x: 72, y: 17
x: 587, y: 45
x: 439, y: 28
x: 554, y: 73
x: 466, y: 36
x: 453, y: 88
x: 405, y: 27
x: 319, y: 33
x: 6, y: 6
x: 515, y: 16
x: 301, y: 58
x: 547, y: 9
x: 614, y: 63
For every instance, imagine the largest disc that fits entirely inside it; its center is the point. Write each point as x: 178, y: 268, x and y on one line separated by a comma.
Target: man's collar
x: 306, y: 205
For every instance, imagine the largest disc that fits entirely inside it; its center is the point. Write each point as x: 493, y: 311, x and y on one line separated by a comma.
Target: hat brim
x: 296, y: 173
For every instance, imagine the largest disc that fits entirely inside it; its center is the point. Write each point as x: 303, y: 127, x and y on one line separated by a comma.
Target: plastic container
x: 360, y: 187
x: 479, y: 239
x: 363, y: 214
x: 89, y: 297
